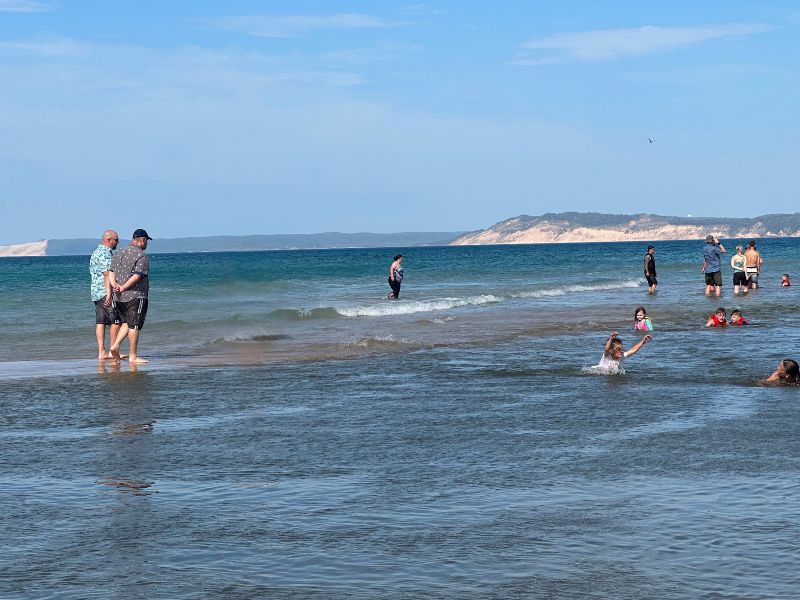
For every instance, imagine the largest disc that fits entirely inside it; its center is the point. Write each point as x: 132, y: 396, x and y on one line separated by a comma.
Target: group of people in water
x: 746, y: 265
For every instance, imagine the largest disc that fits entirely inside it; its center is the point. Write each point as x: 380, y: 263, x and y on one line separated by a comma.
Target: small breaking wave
x: 255, y: 338
x: 408, y: 308
x: 379, y: 340
x: 571, y: 289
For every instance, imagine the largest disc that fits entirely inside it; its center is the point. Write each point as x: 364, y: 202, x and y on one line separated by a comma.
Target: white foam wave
x: 377, y: 339
x: 407, y: 308
x: 603, y: 370
x: 571, y: 289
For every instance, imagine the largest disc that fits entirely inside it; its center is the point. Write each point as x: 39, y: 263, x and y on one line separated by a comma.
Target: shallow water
x: 454, y: 452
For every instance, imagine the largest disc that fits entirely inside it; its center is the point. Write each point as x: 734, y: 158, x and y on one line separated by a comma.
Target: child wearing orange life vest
x: 717, y: 319
x: 737, y: 320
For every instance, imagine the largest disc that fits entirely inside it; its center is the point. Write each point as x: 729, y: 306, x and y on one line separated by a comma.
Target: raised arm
x: 607, y: 349
x: 637, y: 346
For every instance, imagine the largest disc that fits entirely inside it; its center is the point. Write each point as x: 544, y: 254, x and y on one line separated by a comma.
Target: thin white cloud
x: 612, y: 44
x: 294, y: 25
x: 24, y: 6
x: 49, y: 47
x: 421, y: 10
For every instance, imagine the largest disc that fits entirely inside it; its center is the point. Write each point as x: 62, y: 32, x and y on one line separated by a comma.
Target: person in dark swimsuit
x: 650, y: 269
x: 396, y: 277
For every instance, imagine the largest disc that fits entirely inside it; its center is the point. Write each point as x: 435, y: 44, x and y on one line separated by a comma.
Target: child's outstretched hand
x: 613, y: 335
x: 647, y: 338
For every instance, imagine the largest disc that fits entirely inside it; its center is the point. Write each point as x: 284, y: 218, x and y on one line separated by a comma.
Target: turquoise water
x: 298, y: 435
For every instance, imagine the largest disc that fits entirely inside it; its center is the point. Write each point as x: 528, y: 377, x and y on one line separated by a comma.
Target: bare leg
x: 100, y: 334
x: 717, y: 291
x: 133, y: 340
x: 123, y: 332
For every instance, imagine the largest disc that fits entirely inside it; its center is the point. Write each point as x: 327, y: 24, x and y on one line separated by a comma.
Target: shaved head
x: 110, y: 238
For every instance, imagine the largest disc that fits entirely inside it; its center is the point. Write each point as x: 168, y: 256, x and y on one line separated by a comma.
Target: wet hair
x: 736, y: 311
x: 720, y: 310
x: 651, y: 247
x: 786, y: 275
x: 752, y: 244
x: 639, y: 308
x: 398, y: 256
x: 615, y: 342
x: 791, y: 371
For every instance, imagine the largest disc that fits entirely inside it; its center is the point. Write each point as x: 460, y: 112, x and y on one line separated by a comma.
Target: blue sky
x: 202, y: 117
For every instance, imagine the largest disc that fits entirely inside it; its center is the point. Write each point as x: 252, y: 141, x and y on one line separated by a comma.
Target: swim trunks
x: 133, y: 312
x: 105, y: 315
x: 739, y: 278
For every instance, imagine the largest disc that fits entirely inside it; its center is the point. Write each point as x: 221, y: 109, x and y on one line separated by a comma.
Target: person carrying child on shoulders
x: 717, y: 319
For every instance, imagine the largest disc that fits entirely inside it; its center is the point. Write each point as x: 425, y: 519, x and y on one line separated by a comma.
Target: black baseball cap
x: 141, y: 233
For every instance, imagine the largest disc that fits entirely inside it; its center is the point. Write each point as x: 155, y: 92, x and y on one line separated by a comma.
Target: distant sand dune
x: 29, y: 249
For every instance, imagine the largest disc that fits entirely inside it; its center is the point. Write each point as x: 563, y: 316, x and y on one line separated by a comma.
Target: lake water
x: 297, y: 435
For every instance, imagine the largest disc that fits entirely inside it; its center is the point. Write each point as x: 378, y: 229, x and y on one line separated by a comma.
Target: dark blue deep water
x: 296, y: 435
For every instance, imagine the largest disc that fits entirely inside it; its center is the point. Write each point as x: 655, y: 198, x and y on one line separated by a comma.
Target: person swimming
x: 613, y: 353
x: 787, y: 373
x: 717, y: 319
x: 641, y: 322
x: 737, y: 320
x: 785, y: 280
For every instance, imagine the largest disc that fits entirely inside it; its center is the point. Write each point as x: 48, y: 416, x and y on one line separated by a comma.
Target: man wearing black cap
x: 129, y: 270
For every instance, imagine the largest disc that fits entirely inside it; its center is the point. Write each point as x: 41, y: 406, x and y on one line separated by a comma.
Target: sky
x: 199, y: 117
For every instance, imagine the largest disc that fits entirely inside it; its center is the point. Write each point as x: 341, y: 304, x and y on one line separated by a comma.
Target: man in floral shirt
x: 102, y: 294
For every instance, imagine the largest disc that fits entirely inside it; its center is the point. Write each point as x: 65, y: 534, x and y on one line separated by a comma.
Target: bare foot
x: 115, y: 354
x: 137, y: 360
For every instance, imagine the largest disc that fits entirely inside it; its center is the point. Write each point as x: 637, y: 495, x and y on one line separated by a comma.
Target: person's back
x: 127, y: 262
x: 753, y: 264
x: 712, y: 256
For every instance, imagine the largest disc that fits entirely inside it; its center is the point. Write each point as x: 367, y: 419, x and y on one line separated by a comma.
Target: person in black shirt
x: 650, y: 269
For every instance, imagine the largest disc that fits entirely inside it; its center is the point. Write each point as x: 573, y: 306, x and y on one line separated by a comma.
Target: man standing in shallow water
x: 712, y: 254
x: 650, y: 269
x: 130, y: 267
x: 752, y: 264
x: 102, y: 292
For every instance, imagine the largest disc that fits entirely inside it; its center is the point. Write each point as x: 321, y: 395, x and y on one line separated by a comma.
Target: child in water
x: 641, y: 322
x: 787, y: 373
x: 717, y: 319
x: 613, y: 352
x: 785, y: 280
x: 737, y: 319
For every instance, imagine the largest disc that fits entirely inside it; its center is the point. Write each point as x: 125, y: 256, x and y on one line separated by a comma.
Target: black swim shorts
x: 105, y: 315
x: 133, y: 312
x: 739, y: 278
x: 714, y: 279
x: 651, y: 279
